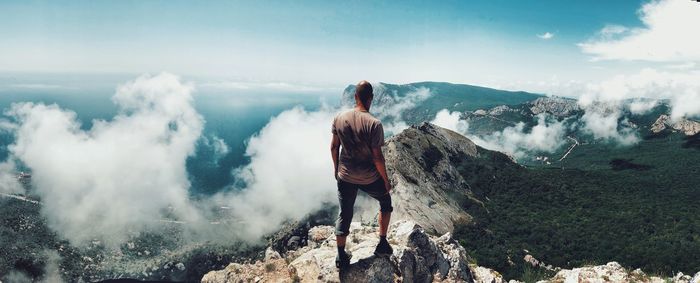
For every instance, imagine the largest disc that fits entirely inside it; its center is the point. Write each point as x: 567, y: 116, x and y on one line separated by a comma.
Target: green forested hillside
x: 637, y: 205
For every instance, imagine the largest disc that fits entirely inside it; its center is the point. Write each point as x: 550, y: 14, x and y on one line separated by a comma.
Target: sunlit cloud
x: 667, y: 35
x: 546, y: 35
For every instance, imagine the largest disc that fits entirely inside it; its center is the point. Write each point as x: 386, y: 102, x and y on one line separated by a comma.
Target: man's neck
x: 361, y: 108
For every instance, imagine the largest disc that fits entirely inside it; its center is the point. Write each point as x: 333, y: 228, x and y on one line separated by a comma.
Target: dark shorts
x: 347, y: 192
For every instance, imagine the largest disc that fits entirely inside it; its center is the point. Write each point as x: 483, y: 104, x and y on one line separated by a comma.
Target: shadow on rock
x: 369, y: 269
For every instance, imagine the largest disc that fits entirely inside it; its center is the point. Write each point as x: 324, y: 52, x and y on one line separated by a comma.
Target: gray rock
x: 293, y: 243
x: 686, y: 126
x: 421, y: 168
x: 180, y: 266
x: 418, y: 257
x: 557, y: 106
x: 271, y: 254
x: 371, y: 269
x: 696, y: 278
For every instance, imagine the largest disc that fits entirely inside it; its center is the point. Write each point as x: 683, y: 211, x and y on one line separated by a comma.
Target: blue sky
x: 318, y: 43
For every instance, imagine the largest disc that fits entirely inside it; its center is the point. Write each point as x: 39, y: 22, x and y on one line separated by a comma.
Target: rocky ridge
x: 686, y: 126
x: 557, y: 106
x: 418, y: 257
x: 614, y: 272
x: 421, y: 168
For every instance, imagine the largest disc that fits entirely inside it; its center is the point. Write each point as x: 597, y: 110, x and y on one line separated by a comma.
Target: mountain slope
x: 497, y: 208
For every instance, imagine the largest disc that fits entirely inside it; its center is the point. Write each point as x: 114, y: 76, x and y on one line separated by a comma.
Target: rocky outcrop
x: 614, y: 272
x: 418, y: 257
x: 557, y: 106
x: 499, y: 110
x: 421, y: 168
x: 687, y: 127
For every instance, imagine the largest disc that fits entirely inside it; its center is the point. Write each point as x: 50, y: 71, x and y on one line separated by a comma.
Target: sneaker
x: 342, y: 260
x: 383, y: 249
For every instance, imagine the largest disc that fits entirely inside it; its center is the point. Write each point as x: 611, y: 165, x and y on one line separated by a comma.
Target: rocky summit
x: 418, y: 257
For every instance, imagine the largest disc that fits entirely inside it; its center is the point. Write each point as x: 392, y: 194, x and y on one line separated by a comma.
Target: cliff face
x: 421, y: 168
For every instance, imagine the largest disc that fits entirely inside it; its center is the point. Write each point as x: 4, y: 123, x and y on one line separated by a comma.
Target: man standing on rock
x: 360, y: 165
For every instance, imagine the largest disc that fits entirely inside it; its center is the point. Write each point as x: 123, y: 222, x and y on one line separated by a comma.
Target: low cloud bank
x: 661, y: 39
x: 680, y: 89
x: 604, y: 121
x: 217, y: 145
x: 290, y: 173
x: 120, y: 175
x: 547, y: 136
x: 638, y: 93
x: 125, y: 175
x: 392, y: 107
x: 451, y: 120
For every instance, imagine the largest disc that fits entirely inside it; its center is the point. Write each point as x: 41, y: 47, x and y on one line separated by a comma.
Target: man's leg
x: 346, y: 197
x: 384, y: 218
x: 378, y: 192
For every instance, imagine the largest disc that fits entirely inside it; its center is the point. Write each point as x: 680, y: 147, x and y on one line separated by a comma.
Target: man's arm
x: 379, y: 162
x: 335, y: 151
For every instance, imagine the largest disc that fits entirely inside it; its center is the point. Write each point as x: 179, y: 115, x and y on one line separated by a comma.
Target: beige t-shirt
x: 359, y: 132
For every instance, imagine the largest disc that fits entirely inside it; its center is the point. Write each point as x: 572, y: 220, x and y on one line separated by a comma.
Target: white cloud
x: 450, y: 120
x: 610, y: 31
x: 546, y: 35
x: 543, y: 137
x: 603, y: 122
x: 641, y: 106
x: 391, y: 109
x: 682, y: 89
x: 217, y: 145
x: 516, y: 141
x: 121, y: 174
x: 290, y: 173
x: 667, y: 35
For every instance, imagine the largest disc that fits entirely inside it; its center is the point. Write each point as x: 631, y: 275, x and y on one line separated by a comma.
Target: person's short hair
x: 364, y: 92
